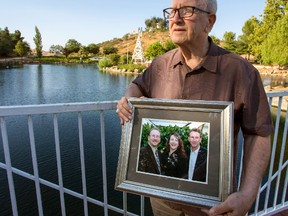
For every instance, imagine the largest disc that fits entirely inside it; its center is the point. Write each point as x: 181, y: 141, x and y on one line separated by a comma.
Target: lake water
x: 43, y: 84
x: 48, y: 84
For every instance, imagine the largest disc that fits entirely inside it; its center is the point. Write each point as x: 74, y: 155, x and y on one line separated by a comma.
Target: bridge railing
x: 272, y: 196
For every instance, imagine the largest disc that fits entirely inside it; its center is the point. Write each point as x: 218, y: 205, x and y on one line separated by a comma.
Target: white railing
x: 273, y: 203
x: 274, y: 200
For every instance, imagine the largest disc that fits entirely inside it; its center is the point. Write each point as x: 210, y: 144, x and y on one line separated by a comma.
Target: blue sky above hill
x: 90, y: 21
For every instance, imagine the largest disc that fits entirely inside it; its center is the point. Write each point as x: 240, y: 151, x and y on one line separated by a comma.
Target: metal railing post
x: 82, y: 160
x: 104, y: 166
x: 8, y: 166
x: 59, y: 167
x: 35, y: 165
x: 273, y: 152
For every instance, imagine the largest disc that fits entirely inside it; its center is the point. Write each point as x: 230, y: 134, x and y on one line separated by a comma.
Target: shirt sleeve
x: 256, y: 112
x: 143, y: 82
x: 133, y: 90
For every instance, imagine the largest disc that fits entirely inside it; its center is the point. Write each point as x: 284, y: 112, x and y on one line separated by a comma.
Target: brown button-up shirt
x: 222, y: 76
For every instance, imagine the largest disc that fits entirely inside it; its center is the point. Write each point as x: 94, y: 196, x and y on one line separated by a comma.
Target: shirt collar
x: 153, y: 148
x: 177, y: 58
x: 209, y: 63
x: 196, y: 151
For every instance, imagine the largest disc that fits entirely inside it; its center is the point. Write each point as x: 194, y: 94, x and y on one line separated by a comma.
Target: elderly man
x: 200, y: 70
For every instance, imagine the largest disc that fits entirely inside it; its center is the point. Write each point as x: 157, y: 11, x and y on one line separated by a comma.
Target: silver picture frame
x: 219, y: 184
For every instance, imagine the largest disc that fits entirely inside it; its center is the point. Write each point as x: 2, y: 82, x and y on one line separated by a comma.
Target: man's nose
x: 177, y: 17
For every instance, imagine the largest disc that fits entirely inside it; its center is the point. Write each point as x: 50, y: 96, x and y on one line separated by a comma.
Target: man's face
x: 184, y: 31
x: 195, y: 140
x: 154, y: 138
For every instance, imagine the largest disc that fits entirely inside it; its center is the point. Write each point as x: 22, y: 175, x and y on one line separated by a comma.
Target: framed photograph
x: 178, y: 150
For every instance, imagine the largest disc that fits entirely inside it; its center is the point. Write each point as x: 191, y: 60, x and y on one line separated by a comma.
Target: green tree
x: 93, y: 48
x: 154, y: 50
x: 275, y: 47
x: 105, y: 62
x: 6, y: 43
x: 229, y: 41
x: 56, y: 49
x: 22, y: 48
x: 244, y: 40
x: 12, y: 44
x: 148, y: 23
x: 65, y: 52
x: 126, y: 58
x: 155, y: 23
x: 38, y: 42
x: 114, y: 58
x: 241, y: 47
x: 274, y: 11
x: 72, y: 46
x: 84, y: 51
x: 256, y: 39
x: 16, y: 36
x: 109, y: 50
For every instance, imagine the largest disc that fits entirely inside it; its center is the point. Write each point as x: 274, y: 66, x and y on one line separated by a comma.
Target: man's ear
x: 212, y: 20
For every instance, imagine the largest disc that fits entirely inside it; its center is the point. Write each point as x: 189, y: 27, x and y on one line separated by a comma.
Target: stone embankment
x: 267, y: 70
x: 115, y: 69
x: 275, y: 71
x: 272, y: 70
x: 13, y: 62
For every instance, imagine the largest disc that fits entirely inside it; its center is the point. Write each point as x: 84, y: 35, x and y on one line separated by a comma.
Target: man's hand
x: 235, y: 205
x: 255, y: 160
x: 124, y: 111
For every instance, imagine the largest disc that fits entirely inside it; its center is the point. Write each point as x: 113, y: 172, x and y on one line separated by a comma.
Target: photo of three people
x: 174, y: 149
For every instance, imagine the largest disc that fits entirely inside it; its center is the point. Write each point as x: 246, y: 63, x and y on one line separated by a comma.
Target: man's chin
x: 178, y: 41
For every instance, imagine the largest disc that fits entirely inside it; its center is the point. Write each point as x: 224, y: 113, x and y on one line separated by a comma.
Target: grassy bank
x: 46, y: 59
x: 125, y: 69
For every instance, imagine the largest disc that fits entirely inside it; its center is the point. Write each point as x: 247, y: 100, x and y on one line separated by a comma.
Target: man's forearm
x: 257, y: 151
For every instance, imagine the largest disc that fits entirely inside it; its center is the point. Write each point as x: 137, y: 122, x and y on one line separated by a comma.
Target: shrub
x: 104, y: 63
x: 114, y: 58
x: 132, y: 67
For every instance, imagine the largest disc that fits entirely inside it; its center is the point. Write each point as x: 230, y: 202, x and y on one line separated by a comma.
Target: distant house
x: 44, y: 53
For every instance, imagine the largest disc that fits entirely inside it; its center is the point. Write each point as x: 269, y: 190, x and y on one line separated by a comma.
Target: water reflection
x: 42, y: 84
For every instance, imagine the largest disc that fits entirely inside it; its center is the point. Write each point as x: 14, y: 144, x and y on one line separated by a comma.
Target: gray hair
x: 212, y: 6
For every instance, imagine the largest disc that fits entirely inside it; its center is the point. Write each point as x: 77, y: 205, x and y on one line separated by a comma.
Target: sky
x: 91, y: 21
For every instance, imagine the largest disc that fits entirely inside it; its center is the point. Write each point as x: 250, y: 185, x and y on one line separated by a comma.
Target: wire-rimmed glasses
x: 183, y: 12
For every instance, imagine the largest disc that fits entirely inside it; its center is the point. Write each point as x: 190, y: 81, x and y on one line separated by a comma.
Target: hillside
x: 129, y: 41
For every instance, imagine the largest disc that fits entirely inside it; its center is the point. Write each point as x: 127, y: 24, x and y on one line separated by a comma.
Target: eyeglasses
x: 183, y: 12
